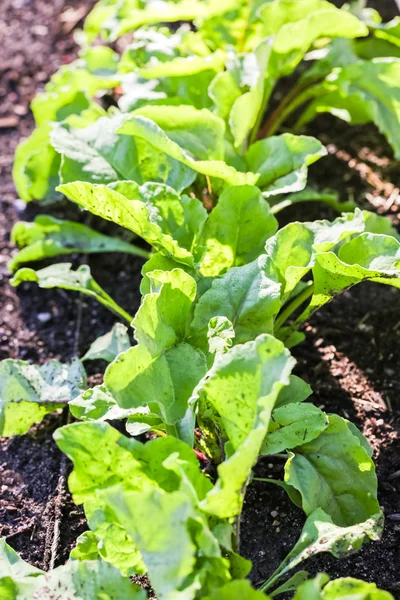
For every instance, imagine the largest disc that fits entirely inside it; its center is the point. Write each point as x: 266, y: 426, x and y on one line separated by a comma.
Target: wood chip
x: 6, y: 122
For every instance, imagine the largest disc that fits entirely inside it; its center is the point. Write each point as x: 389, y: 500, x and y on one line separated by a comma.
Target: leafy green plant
x: 227, y: 69
x: 187, y: 160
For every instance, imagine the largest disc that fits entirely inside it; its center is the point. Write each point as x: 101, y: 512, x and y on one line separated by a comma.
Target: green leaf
x: 247, y: 296
x: 13, y: 571
x: 354, y: 589
x: 282, y: 162
x: 86, y: 547
x: 313, y: 467
x: 98, y: 154
x: 220, y: 334
x: 138, y: 209
x: 29, y: 392
x: 237, y: 590
x: 166, y: 12
x: 236, y: 230
x: 163, y: 369
x: 297, y: 391
x: 362, y: 93
x: 61, y: 276
x: 98, y: 404
x: 304, y: 23
x: 243, y: 386
x: 78, y: 579
x: 103, y: 458
x: 247, y: 107
x: 320, y: 534
x: 292, y: 251
x: 125, y: 461
x: 108, y: 346
x: 47, y: 237
x: 293, y: 425
x: 368, y: 256
x: 36, y: 164
x: 192, y: 137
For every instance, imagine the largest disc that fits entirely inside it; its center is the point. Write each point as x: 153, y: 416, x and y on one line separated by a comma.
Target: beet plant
x: 186, y: 162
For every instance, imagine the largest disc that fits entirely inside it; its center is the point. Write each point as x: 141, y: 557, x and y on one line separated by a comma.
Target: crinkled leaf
x: 98, y: 404
x: 29, y: 392
x: 282, y: 162
x: 47, y: 237
x: 313, y: 467
x: 220, y: 334
x: 293, y: 425
x: 138, y: 209
x: 236, y: 230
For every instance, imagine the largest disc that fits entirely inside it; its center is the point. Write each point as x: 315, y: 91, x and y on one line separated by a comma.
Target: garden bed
x: 350, y: 357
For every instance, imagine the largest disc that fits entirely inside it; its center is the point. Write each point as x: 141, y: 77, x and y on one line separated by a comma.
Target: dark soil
x: 350, y: 356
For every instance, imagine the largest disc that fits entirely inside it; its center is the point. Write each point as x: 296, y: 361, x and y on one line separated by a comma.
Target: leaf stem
x: 254, y: 134
x: 293, y: 306
x: 296, y: 98
x: 109, y: 303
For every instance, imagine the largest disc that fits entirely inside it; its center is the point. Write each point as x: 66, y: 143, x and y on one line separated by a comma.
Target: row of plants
x: 186, y: 159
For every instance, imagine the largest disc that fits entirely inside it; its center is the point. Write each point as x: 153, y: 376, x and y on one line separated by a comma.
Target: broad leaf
x: 108, y: 346
x: 248, y: 296
x: 140, y: 209
x: 36, y: 164
x: 313, y: 468
x: 76, y: 579
x: 297, y: 391
x: 236, y: 230
x: 243, y: 386
x: 163, y: 369
x: 237, y: 590
x: 194, y: 138
x: 47, y: 237
x: 29, y: 392
x: 103, y: 458
x: 293, y: 425
x: 97, y: 404
x: 246, y: 108
x: 320, y: 534
x: 282, y: 162
x: 98, y: 154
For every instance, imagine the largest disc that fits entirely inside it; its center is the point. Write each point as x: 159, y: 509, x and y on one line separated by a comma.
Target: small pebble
x: 44, y: 317
x: 274, y: 513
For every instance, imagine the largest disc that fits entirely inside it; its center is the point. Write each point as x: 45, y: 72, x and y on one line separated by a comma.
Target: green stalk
x: 254, y: 134
x: 109, y: 303
x: 286, y: 108
x: 293, y: 306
